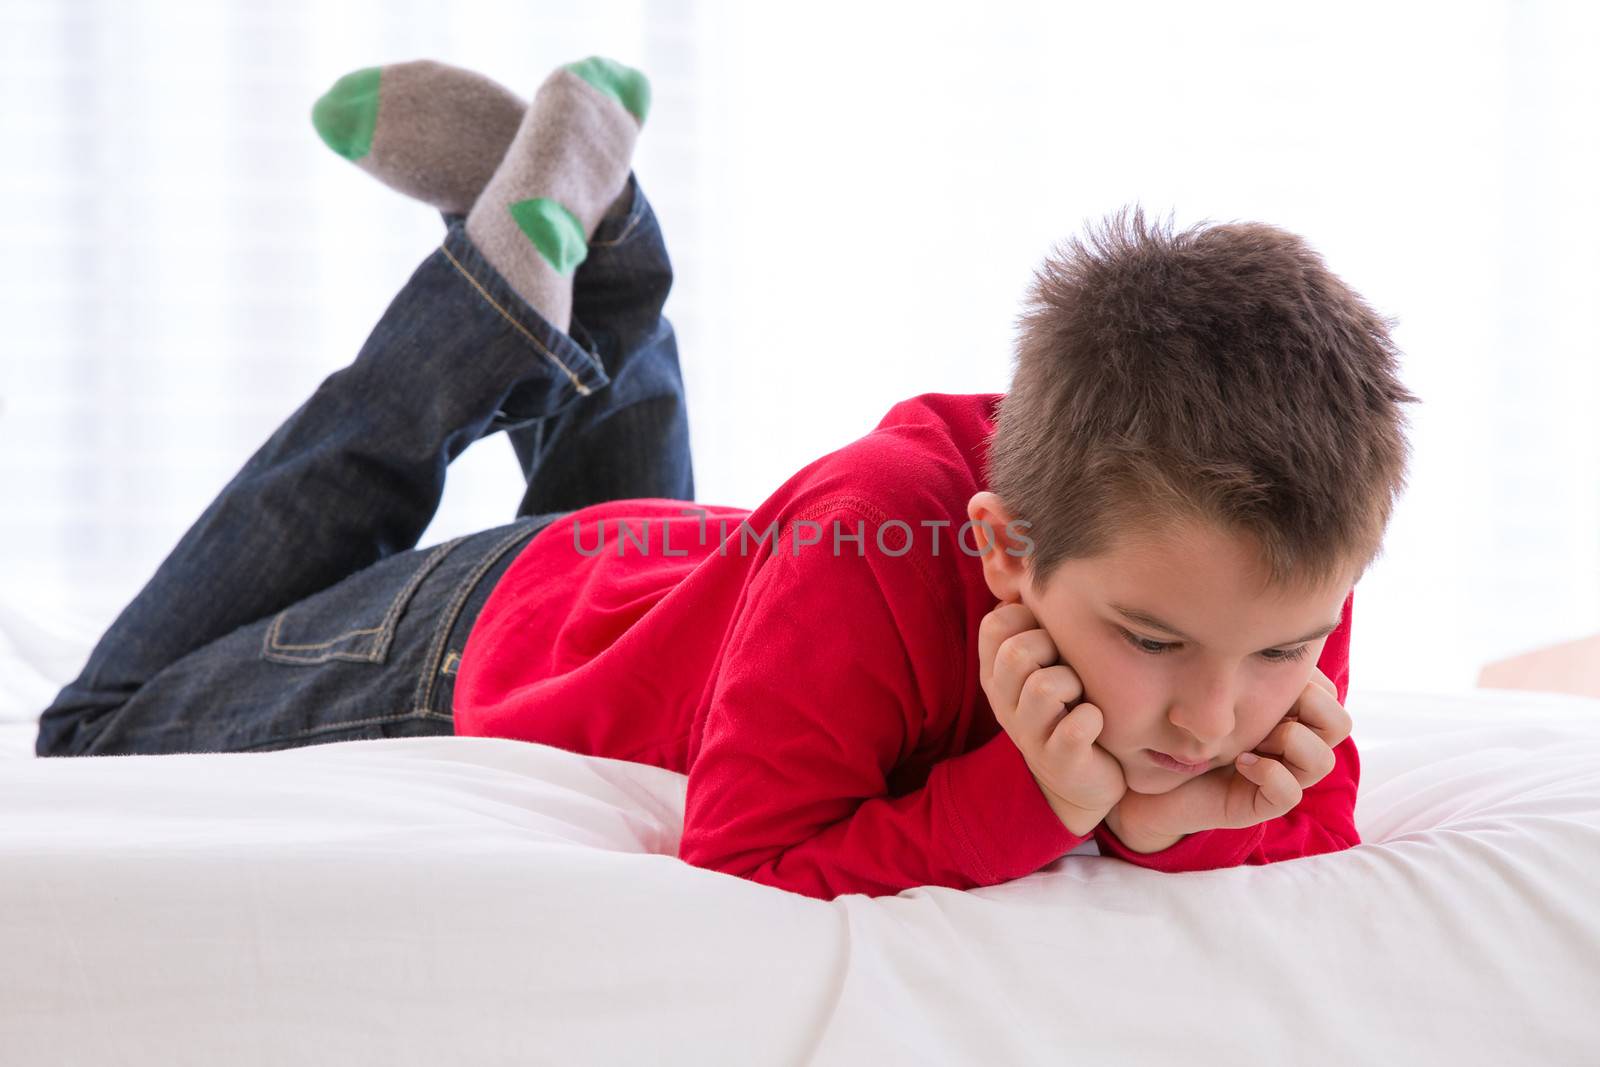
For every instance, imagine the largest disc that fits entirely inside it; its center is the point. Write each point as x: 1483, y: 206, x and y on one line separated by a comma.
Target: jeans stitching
x: 389, y: 616
x: 441, y: 634
x: 540, y: 345
x: 423, y: 696
x: 271, y: 644
x: 428, y: 565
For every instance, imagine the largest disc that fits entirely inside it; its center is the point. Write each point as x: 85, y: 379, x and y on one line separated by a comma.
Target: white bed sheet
x: 466, y: 900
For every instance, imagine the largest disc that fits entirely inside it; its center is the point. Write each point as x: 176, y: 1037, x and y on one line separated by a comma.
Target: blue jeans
x: 297, y: 609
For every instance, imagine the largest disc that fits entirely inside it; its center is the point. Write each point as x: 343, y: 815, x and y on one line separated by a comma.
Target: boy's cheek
x: 1122, y: 735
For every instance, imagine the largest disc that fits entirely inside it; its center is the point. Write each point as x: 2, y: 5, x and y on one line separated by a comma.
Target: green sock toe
x: 630, y: 87
x: 554, y: 231
x: 346, y: 115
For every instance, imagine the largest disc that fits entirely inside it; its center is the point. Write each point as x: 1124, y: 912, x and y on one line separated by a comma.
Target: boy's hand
x: 1030, y: 688
x: 1238, y: 795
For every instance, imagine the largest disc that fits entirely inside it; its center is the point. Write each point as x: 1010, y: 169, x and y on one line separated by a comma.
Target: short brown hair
x: 1221, y: 374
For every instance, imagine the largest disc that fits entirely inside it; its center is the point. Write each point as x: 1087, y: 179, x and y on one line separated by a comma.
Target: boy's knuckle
x: 1036, y: 685
x: 1016, y: 654
x: 1067, y: 685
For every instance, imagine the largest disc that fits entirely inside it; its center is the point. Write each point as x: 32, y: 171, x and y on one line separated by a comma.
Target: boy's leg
x: 351, y: 477
x: 437, y: 133
x: 630, y: 439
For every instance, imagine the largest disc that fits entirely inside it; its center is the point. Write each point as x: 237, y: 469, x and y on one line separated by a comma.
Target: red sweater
x: 824, y: 702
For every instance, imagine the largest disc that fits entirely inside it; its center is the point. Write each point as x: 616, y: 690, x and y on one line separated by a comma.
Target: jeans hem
x: 581, y: 367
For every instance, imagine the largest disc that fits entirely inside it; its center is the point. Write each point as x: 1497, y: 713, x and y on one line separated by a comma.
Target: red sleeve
x: 817, y: 698
x: 1323, y: 821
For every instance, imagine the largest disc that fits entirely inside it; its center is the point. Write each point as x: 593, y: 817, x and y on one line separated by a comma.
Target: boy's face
x: 1208, y: 696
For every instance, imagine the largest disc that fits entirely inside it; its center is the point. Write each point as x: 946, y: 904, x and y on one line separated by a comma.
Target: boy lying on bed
x: 945, y: 654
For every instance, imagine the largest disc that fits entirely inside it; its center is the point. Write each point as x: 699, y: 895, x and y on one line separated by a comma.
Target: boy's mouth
x: 1161, y: 759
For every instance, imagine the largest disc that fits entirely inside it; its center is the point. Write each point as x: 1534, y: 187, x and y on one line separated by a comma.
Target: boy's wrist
x: 1135, y: 839
x: 1079, y: 821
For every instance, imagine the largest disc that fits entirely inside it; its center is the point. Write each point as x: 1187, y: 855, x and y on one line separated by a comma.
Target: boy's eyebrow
x: 1147, y: 619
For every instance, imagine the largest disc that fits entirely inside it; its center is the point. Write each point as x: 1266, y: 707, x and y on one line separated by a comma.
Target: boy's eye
x: 1144, y: 644
x: 1156, y: 648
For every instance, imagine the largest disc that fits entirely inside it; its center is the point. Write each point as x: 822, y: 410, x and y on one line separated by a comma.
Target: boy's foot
x: 424, y: 128
x: 564, y: 170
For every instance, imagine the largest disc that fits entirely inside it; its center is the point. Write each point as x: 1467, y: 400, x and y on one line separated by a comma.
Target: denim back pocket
x: 356, y: 619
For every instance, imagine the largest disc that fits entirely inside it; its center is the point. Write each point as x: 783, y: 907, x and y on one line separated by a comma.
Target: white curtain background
x: 855, y: 196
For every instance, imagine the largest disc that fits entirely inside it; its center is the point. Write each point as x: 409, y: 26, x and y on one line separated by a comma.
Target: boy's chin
x: 1153, y: 788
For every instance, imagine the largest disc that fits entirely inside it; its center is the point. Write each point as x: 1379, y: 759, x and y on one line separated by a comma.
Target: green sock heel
x: 554, y: 231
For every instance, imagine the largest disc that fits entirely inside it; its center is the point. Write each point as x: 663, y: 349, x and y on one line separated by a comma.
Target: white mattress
x: 473, y: 901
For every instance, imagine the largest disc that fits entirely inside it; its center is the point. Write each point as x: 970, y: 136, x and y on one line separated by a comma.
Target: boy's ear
x: 1003, y: 549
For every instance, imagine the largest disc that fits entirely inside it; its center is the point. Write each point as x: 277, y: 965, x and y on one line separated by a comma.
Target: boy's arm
x: 1323, y: 821
x: 814, y: 704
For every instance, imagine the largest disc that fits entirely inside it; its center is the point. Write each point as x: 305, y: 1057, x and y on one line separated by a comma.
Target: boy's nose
x: 1205, y: 718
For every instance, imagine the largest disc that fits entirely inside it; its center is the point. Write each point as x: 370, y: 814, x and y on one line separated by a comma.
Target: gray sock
x: 566, y: 166
x: 424, y: 128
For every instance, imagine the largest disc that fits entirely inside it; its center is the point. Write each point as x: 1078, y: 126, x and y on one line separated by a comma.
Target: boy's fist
x: 1031, y: 688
